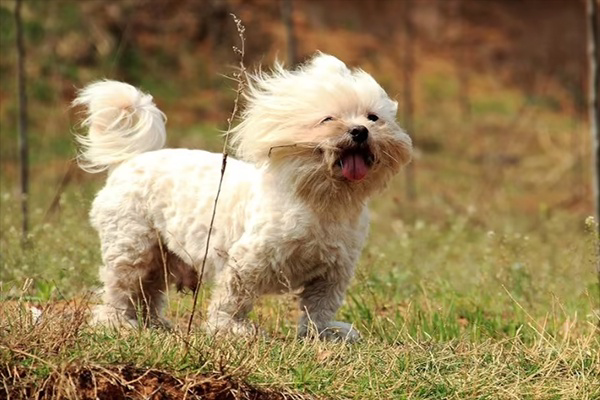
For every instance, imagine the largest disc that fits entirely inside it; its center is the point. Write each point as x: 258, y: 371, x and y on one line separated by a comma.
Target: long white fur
x: 287, y: 219
x: 282, y: 98
x: 122, y: 122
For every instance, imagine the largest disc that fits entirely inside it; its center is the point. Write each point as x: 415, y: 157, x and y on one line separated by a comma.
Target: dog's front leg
x: 319, y: 301
x: 231, y: 302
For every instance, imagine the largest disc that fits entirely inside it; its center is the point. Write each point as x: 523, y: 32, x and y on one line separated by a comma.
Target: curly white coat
x: 291, y: 217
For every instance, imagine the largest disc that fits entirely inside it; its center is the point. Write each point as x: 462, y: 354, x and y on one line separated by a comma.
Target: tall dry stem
x: 238, y: 77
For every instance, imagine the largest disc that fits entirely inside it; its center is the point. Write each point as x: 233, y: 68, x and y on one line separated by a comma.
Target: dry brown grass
x: 60, y: 357
x: 484, y: 287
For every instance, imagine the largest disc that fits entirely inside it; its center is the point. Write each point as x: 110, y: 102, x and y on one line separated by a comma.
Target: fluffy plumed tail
x: 122, y: 122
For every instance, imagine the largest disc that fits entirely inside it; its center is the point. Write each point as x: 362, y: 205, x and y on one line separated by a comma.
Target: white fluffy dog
x: 313, y: 144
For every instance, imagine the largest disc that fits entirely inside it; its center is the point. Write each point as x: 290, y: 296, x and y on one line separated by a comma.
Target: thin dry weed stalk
x: 163, y: 257
x: 238, y: 77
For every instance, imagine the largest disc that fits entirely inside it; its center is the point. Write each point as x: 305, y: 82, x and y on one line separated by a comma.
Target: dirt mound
x: 128, y: 382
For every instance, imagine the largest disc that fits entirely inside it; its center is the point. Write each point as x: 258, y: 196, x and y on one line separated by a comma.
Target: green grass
x: 543, y: 367
x: 453, y: 301
x: 483, y: 287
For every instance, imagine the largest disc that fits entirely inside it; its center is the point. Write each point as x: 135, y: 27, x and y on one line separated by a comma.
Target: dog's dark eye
x: 326, y: 119
x: 372, y: 117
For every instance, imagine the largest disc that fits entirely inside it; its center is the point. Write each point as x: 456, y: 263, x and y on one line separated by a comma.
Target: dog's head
x: 322, y: 124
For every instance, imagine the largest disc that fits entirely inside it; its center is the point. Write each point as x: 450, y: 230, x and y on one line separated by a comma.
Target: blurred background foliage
x: 501, y: 84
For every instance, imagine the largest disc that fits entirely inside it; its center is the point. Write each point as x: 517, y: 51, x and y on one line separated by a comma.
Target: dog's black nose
x: 359, y: 133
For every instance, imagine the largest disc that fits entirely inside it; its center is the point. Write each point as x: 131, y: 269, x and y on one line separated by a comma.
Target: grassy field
x: 483, y: 286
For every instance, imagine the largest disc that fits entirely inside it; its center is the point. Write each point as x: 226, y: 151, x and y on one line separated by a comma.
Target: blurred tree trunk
x: 287, y: 10
x: 462, y: 64
x: 23, y: 145
x: 218, y: 18
x: 594, y: 61
x: 408, y: 105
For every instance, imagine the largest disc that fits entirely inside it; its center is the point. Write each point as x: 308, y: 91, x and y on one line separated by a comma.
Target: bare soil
x: 126, y: 382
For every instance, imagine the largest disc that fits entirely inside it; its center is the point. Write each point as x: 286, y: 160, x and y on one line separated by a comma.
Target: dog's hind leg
x: 133, y: 278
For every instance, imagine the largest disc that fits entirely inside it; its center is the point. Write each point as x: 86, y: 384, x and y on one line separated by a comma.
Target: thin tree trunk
x: 408, y: 106
x: 594, y: 61
x: 23, y: 145
x: 287, y: 10
x: 461, y: 64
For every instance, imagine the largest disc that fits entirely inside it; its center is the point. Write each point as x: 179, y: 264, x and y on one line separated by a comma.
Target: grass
x: 455, y: 298
x: 482, y: 287
x: 407, y: 367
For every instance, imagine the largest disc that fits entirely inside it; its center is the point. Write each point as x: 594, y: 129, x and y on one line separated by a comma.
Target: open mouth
x: 355, y: 163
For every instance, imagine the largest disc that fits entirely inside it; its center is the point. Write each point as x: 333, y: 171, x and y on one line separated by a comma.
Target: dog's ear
x: 394, y: 107
x: 324, y: 64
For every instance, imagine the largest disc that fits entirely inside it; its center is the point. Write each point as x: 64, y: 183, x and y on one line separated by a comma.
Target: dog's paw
x: 160, y: 322
x: 333, y: 331
x: 339, y: 331
x: 233, y: 327
x: 104, y: 315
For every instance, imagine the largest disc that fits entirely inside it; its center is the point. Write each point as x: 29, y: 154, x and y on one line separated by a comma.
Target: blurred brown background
x: 493, y: 91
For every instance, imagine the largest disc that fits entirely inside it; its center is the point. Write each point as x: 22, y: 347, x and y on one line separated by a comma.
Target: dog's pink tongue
x: 354, y: 167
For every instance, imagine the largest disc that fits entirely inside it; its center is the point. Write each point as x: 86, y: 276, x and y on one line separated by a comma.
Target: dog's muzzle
x: 359, y: 133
